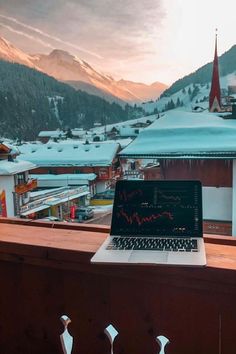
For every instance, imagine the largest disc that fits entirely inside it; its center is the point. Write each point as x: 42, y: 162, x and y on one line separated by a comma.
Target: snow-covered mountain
x: 10, y: 53
x: 142, y: 91
x: 192, y: 91
x: 71, y: 69
x: 66, y: 67
x: 188, y: 98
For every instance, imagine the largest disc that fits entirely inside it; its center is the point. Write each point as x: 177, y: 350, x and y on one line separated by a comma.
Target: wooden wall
x: 209, y: 172
x: 198, y: 316
x: 212, y: 173
x: 217, y: 227
x: 45, y: 272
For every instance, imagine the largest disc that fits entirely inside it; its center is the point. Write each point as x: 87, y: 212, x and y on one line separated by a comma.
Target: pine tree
x: 28, y: 104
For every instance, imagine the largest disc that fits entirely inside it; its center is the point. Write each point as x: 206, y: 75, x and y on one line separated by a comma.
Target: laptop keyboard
x: 153, y: 244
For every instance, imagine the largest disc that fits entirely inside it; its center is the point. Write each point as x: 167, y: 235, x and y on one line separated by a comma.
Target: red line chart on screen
x: 140, y: 220
x: 125, y: 196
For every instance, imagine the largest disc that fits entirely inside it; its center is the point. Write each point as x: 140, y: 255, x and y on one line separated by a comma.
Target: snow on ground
x: 102, y: 208
x: 183, y: 95
x: 184, y: 98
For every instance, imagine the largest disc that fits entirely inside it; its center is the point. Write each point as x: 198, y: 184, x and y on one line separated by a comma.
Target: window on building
x: 52, y: 172
x: 20, y: 178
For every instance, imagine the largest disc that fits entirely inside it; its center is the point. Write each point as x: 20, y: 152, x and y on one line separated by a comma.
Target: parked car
x: 84, y: 213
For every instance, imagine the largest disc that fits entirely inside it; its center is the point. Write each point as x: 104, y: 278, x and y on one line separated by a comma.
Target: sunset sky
x: 139, y: 40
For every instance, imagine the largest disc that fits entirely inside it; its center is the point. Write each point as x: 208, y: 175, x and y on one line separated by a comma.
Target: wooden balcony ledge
x: 45, y: 272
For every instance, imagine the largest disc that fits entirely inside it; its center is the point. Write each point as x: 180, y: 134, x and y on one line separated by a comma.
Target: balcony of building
x: 45, y: 273
x: 25, y: 187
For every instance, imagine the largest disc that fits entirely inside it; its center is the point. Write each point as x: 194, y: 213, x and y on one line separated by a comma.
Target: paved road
x: 103, y: 218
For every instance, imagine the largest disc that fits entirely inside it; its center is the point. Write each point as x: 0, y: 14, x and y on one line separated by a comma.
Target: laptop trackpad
x: 154, y: 257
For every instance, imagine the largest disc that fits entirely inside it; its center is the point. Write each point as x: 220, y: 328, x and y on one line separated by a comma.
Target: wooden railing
x: 45, y: 271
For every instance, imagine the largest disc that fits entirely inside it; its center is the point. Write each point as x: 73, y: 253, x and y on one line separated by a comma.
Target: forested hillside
x: 227, y: 65
x: 31, y: 101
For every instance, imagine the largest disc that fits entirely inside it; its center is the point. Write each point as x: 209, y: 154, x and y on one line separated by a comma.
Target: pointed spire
x: 214, y: 97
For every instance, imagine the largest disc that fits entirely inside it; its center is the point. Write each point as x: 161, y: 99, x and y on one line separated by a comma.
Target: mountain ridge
x: 31, y: 101
x: 227, y: 65
x: 192, y: 91
x: 66, y: 67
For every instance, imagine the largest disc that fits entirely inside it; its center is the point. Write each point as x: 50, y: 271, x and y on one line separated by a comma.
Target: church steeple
x: 214, y: 97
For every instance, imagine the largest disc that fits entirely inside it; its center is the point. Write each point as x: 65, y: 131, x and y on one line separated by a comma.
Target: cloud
x: 44, y: 34
x: 109, y: 34
x: 11, y: 29
x: 114, y: 27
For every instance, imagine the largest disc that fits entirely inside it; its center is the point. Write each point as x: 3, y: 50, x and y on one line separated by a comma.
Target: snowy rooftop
x: 124, y: 124
x: 60, y: 154
x: 179, y: 133
x: 13, y: 149
x: 129, y: 131
x: 14, y: 167
x: 124, y: 142
x: 51, y: 133
x: 37, y: 194
x: 60, y: 133
x: 78, y: 132
x: 66, y: 176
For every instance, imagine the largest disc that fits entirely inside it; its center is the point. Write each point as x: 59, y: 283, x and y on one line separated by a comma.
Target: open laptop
x: 155, y: 222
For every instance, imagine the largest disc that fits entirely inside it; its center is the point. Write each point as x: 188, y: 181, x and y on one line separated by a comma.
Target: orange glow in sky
x: 143, y: 41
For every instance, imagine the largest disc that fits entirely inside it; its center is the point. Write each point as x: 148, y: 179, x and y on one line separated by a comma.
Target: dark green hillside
x: 25, y: 107
x: 227, y: 65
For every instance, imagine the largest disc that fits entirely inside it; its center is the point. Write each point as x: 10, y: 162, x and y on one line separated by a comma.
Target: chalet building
x: 76, y: 158
x: 57, y: 135
x: 113, y: 133
x: 55, y: 203
x: 129, y: 128
x: 15, y: 183
x: 45, y: 135
x: 194, y: 146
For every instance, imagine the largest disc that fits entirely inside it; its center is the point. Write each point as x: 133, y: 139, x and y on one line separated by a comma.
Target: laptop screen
x: 157, y: 208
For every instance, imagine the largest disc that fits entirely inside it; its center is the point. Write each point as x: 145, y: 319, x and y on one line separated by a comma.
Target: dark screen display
x: 165, y: 208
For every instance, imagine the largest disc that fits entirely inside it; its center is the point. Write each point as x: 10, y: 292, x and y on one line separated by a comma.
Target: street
x: 102, y: 215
